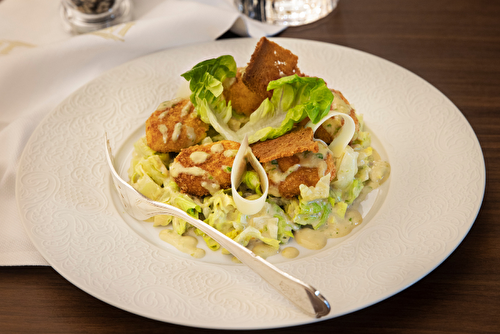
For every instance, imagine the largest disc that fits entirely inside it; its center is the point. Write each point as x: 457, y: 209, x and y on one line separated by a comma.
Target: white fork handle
x: 304, y: 296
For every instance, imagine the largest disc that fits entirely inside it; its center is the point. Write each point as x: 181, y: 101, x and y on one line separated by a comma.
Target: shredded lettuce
x: 252, y: 180
x: 285, y: 225
x: 162, y: 220
x: 221, y: 211
x: 180, y: 226
x: 314, y: 213
x: 347, y: 169
x: 320, y: 190
x: 250, y: 233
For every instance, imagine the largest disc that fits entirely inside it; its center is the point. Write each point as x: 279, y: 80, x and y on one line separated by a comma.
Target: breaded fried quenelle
x: 203, y: 169
x: 243, y: 100
x: 174, y: 125
x: 298, y: 169
x: 294, y: 159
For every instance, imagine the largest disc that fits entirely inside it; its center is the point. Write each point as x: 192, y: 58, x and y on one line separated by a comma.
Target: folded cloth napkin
x: 40, y: 64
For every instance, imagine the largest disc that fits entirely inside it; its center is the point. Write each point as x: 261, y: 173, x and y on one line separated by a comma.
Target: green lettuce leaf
x: 206, y: 78
x: 308, y: 94
x: 314, y: 213
x: 252, y: 233
x: 252, y: 181
x: 347, y: 169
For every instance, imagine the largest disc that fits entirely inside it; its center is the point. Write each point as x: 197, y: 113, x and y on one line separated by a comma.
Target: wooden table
x: 455, y: 45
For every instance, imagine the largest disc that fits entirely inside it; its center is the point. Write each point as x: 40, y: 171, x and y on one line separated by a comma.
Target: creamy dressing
x: 230, y: 153
x: 290, y: 252
x: 339, y: 105
x: 276, y: 175
x: 164, y: 132
x: 178, y: 168
x: 199, y: 157
x: 185, y: 110
x: 274, y: 190
x: 191, y: 135
x: 336, y: 228
x: 211, y: 186
x: 333, y: 125
x: 316, y: 160
x: 163, y: 114
x: 229, y: 82
x: 177, y: 131
x: 207, y: 140
x: 264, y: 251
x: 185, y: 243
x: 234, y: 124
x: 217, y: 148
x: 379, y: 171
x: 170, y: 104
x: 307, y: 159
x: 310, y: 239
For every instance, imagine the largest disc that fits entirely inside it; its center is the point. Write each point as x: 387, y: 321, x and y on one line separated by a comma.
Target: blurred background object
x: 82, y: 16
x: 286, y: 12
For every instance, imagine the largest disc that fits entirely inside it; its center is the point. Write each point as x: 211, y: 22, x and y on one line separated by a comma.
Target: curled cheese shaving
x: 245, y: 206
x: 338, y: 145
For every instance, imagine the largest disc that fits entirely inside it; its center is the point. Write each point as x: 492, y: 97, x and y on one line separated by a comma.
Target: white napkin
x: 40, y: 65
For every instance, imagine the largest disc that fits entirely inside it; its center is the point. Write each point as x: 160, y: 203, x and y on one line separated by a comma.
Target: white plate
x: 65, y: 196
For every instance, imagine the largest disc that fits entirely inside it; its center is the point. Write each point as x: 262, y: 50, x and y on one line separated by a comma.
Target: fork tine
x: 129, y: 197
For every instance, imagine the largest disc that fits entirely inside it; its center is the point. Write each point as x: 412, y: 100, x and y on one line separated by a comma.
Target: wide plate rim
x: 49, y: 257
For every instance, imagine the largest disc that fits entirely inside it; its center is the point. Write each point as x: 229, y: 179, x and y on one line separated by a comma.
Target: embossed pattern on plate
x: 64, y: 194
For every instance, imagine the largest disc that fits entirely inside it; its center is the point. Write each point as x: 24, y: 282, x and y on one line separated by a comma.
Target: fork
x: 303, y: 295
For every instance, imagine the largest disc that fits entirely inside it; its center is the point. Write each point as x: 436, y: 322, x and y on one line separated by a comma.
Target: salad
x: 309, y: 158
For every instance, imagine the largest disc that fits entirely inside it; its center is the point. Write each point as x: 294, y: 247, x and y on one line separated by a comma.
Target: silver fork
x: 303, y: 295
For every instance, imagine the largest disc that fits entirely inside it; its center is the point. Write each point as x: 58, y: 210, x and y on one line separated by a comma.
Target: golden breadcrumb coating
x: 290, y: 187
x: 173, y: 126
x: 243, y: 100
x: 203, y: 169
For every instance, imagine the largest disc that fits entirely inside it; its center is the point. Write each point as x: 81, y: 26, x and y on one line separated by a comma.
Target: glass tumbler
x: 286, y: 12
x: 83, y: 16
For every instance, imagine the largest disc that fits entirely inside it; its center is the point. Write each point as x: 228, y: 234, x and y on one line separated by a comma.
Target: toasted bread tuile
x: 297, y: 141
x: 269, y: 62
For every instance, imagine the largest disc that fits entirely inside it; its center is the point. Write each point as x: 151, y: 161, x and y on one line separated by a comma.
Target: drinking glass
x: 82, y: 16
x: 286, y: 12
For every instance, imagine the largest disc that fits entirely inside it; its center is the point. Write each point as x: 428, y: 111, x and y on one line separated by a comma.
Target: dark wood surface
x: 454, y: 45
